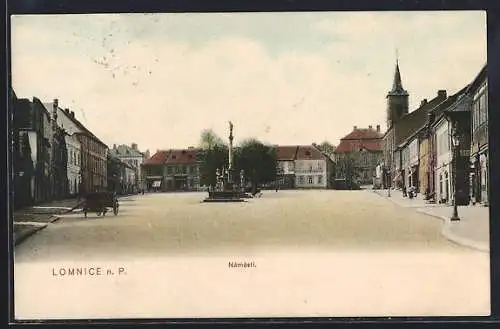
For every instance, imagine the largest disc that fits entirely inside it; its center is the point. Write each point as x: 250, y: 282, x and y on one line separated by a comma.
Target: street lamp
x: 456, y: 145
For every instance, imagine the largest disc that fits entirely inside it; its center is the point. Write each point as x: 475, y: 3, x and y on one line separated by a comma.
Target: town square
x: 231, y: 172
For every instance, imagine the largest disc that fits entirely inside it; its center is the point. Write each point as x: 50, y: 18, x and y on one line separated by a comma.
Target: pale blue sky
x: 287, y: 78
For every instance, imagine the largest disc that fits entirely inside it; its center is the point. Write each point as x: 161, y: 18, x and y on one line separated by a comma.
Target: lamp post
x: 456, y: 145
x: 389, y: 182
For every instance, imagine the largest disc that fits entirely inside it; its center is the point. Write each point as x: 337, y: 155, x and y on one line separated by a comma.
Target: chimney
x: 424, y: 101
x: 441, y: 93
x: 370, y: 127
x: 355, y: 128
x: 66, y: 110
x: 56, y: 103
x: 378, y: 128
x: 134, y: 146
x: 114, y: 146
x: 72, y: 114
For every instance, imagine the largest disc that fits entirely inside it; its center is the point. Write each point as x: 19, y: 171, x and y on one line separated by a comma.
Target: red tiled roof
x: 186, y: 156
x: 157, y: 159
x: 285, y: 153
x: 363, y: 133
x: 309, y: 152
x: 347, y: 146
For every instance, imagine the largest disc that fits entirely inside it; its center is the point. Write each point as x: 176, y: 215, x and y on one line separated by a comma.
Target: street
x: 316, y: 253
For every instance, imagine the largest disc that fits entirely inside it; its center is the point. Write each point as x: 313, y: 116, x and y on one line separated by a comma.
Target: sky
x: 159, y: 80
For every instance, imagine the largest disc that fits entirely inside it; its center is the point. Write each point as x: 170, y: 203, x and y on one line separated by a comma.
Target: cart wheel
x: 115, y: 210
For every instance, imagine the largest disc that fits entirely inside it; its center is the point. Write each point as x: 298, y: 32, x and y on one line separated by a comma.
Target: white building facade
x: 312, y: 168
x: 311, y: 174
x: 443, y: 167
x: 65, y: 120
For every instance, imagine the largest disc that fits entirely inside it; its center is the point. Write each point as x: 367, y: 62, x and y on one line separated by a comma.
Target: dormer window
x: 308, y: 153
x: 173, y: 157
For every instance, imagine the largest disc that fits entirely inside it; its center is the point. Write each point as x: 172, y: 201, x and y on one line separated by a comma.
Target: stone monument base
x: 224, y: 196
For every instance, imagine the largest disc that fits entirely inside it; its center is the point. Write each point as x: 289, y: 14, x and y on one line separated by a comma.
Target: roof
x: 397, y: 85
x: 182, y: 156
x: 347, y: 146
x: 309, y: 152
x: 86, y: 132
x: 411, y: 123
x: 286, y: 153
x: 125, y: 150
x: 360, y: 138
x: 362, y: 133
x: 480, y: 77
x: 158, y: 158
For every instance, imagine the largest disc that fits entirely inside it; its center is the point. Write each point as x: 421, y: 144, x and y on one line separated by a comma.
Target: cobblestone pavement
x: 317, y: 253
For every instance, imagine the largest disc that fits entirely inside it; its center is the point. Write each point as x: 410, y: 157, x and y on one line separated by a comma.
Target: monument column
x: 230, y: 167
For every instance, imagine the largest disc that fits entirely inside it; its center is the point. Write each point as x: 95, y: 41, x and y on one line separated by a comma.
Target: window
x: 320, y: 179
x: 310, y: 180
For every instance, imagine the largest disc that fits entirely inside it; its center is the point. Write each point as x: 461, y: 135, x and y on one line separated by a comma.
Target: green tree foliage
x: 348, y: 169
x: 326, y: 148
x: 212, y: 159
x: 258, y: 161
x: 209, y: 139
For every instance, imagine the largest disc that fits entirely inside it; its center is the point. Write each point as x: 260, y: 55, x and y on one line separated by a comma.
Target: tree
x: 210, y: 139
x: 348, y: 169
x: 326, y: 148
x: 258, y: 162
x: 212, y: 159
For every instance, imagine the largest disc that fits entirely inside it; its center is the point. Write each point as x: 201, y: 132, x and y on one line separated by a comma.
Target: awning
x: 156, y: 183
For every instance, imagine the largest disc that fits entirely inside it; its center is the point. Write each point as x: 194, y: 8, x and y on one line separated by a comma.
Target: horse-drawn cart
x: 99, y: 202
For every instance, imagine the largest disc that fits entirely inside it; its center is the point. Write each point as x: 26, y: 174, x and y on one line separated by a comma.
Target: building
x: 313, y: 169
x: 31, y: 125
x: 436, y: 152
x: 362, y: 150
x: 24, y: 129
x: 153, y: 170
x: 134, y: 158
x: 478, y: 91
x: 286, y: 157
x: 115, y: 173
x: 397, y: 107
x: 66, y: 120
x: 93, y: 162
x: 402, y: 130
x: 182, y: 170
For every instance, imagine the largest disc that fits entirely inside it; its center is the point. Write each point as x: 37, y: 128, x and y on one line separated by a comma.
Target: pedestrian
x: 404, y: 192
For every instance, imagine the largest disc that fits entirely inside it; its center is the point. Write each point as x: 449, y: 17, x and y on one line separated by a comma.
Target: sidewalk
x: 397, y: 198
x: 30, y: 220
x: 472, y: 230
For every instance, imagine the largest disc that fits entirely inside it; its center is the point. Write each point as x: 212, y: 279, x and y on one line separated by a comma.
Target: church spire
x: 397, y: 85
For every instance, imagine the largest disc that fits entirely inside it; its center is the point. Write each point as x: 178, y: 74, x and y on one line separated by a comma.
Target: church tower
x: 397, y: 100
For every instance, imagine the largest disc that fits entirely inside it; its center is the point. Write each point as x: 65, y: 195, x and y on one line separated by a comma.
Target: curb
x: 446, y: 229
x: 52, y: 219
x: 447, y: 233
x: 21, y: 238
